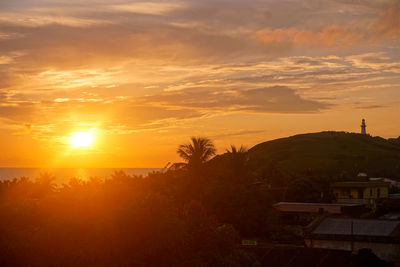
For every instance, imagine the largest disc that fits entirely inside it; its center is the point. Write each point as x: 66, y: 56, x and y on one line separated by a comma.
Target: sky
x: 145, y: 76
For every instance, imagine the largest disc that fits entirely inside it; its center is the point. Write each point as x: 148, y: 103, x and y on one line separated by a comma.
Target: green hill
x: 330, y: 153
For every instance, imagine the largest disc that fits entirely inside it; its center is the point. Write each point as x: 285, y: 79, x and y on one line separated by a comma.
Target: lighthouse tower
x: 363, y: 127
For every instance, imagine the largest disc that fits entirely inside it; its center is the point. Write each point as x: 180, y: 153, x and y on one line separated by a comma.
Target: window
x: 360, y: 193
x: 346, y: 192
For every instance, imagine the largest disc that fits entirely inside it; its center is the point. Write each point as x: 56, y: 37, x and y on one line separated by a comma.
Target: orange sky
x: 147, y: 75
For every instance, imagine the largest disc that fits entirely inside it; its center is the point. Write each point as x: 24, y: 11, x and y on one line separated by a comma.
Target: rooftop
x: 361, y: 227
x: 312, y: 207
x: 360, y: 184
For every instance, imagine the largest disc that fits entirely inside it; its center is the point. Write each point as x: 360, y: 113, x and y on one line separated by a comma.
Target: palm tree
x: 197, y: 152
x: 45, y: 183
x: 238, y: 160
x: 235, y: 150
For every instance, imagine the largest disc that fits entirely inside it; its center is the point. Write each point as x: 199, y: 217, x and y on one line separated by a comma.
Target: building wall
x: 364, y: 193
x: 355, y: 201
x: 346, y: 193
x: 385, y: 251
x: 372, y: 192
x: 308, y: 208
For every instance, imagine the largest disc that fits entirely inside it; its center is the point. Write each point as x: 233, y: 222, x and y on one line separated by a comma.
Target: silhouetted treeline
x: 160, y: 220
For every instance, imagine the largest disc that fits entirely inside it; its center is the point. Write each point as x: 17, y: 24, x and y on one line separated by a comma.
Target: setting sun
x: 81, y: 139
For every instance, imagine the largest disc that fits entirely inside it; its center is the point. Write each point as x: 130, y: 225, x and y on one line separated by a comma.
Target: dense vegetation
x: 193, y: 214
x: 329, y: 153
x: 123, y: 221
x: 186, y: 216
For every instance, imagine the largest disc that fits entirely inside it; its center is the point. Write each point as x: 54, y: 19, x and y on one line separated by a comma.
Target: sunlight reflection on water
x: 62, y: 175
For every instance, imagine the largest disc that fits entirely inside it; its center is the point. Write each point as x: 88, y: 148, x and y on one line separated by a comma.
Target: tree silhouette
x: 45, y: 183
x: 235, y: 150
x: 238, y: 159
x: 197, y: 152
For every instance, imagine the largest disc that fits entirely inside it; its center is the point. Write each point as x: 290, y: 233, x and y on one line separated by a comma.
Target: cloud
x: 5, y: 36
x: 331, y: 36
x: 371, y: 107
x: 377, y: 61
x: 5, y: 60
x: 152, y: 8
x: 386, y: 26
x: 116, y: 115
x: 276, y: 99
x: 38, y: 19
x: 236, y: 133
x: 16, y: 111
x: 3, y: 96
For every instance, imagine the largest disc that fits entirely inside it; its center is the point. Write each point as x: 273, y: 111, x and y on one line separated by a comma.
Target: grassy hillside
x: 331, y: 153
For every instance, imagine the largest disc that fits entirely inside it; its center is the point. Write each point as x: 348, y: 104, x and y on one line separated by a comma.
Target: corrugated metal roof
x: 312, y: 207
x: 337, y: 226
x: 360, y: 184
x: 316, y: 204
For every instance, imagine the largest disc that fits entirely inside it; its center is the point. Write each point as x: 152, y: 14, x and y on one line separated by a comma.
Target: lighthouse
x: 363, y: 127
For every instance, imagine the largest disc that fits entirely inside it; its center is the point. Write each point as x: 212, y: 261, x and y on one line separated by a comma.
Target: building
x: 360, y: 192
x: 363, y: 127
x: 297, y: 217
x: 380, y: 236
x: 295, y: 256
x: 295, y: 208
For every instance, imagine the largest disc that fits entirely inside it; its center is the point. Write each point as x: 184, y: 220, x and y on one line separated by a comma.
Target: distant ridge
x: 331, y: 153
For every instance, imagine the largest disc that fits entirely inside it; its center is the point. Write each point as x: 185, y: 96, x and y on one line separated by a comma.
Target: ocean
x: 63, y: 175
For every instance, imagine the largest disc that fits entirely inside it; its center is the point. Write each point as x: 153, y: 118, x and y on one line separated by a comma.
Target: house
x: 382, y: 237
x: 367, y: 192
x: 298, y: 213
x: 299, y: 207
x: 295, y: 256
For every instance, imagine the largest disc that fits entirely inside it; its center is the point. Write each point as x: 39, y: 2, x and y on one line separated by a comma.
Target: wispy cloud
x: 276, y: 99
x: 386, y: 26
x: 153, y: 8
x: 38, y: 19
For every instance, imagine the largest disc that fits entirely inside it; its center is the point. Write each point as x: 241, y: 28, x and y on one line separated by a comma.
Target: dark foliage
x: 122, y: 221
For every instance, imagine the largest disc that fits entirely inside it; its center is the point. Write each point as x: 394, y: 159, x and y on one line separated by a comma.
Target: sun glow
x: 81, y: 139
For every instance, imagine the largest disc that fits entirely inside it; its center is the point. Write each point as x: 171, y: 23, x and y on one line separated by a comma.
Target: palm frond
x: 235, y: 150
x: 199, y: 150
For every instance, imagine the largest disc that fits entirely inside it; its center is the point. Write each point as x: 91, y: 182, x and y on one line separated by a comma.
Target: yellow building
x: 360, y: 192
